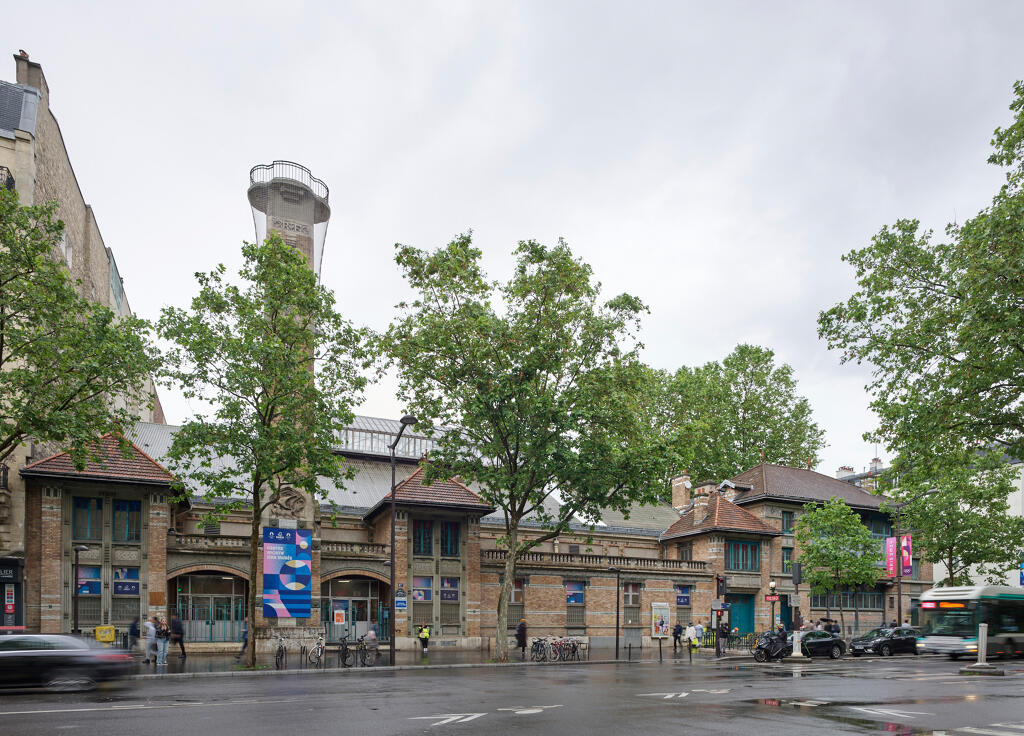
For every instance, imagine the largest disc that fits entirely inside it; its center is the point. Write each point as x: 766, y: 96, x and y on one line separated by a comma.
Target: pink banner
x: 907, y: 555
x: 890, y: 556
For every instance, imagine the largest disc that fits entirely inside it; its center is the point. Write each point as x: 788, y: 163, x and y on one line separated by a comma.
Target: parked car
x: 820, y: 644
x: 886, y: 642
x: 58, y: 662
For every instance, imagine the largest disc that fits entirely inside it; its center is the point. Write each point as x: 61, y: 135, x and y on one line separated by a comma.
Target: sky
x: 715, y: 159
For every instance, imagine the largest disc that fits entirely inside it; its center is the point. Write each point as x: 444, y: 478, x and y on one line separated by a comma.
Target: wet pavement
x: 909, y: 695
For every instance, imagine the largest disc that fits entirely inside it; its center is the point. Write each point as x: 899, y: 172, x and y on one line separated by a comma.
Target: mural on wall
x: 287, y: 572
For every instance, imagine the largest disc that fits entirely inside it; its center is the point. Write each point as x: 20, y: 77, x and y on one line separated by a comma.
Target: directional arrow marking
x: 522, y: 710
x: 449, y: 718
x: 665, y: 696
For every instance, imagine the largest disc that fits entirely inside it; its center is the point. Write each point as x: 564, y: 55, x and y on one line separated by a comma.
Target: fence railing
x: 369, y: 549
x: 602, y: 561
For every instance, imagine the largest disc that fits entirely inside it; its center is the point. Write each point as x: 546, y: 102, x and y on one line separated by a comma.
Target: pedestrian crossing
x: 992, y: 729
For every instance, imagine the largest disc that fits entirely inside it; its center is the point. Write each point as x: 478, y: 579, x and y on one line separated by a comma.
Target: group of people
x: 158, y: 635
x: 693, y: 635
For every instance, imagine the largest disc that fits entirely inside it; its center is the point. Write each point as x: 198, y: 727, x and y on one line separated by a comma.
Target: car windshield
x: 875, y: 633
x: 949, y: 623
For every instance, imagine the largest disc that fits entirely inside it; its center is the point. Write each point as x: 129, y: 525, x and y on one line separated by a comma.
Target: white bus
x: 950, y: 616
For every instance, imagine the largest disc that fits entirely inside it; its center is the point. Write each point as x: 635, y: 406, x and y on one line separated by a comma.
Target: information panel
x: 287, y: 572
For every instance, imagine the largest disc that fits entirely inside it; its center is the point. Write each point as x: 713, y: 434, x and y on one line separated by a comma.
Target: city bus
x: 949, y: 619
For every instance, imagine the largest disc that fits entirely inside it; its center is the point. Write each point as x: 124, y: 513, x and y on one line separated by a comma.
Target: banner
x: 905, y: 554
x: 287, y: 572
x: 659, y: 620
x: 890, y: 557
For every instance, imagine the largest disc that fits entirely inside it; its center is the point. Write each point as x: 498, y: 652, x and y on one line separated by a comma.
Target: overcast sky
x: 715, y: 159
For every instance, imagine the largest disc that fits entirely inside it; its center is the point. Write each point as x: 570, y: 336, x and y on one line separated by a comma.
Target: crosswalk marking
x: 986, y: 731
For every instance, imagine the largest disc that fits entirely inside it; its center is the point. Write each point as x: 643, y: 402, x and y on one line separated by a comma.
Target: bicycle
x: 281, y: 655
x: 346, y: 656
x: 538, y: 649
x: 367, y: 657
x: 316, y: 652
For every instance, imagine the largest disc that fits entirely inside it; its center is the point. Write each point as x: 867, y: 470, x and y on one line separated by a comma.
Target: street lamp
x: 78, y: 548
x: 406, y: 421
x: 617, y: 576
x: 771, y: 593
x: 899, y: 546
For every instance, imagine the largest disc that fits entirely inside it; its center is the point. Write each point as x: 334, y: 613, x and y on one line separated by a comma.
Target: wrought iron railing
x: 265, y: 173
x: 369, y: 549
x: 203, y: 541
x: 603, y: 561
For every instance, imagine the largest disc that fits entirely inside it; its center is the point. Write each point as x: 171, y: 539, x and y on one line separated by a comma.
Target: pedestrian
x: 424, y: 634
x: 691, y: 635
x: 521, y: 636
x: 245, y: 637
x: 133, y: 634
x: 906, y: 624
x: 699, y: 631
x: 722, y: 638
x: 372, y: 642
x: 150, y: 628
x: 677, y: 634
x: 178, y: 633
x: 163, y: 637
x: 821, y: 625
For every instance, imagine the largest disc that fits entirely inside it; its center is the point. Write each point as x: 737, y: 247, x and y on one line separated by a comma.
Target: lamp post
x: 617, y: 576
x: 78, y: 548
x: 771, y: 592
x: 899, y: 550
x: 407, y: 420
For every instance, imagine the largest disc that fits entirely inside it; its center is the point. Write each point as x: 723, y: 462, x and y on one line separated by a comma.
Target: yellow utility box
x: 105, y: 634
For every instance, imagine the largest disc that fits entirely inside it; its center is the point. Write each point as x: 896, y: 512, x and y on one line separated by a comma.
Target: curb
x: 356, y: 671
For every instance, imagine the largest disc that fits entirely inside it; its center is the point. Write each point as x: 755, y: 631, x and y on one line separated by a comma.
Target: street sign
x: 401, y: 604
x: 771, y: 598
x: 719, y: 606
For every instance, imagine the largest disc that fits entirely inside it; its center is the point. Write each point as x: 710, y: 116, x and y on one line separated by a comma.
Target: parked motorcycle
x: 769, y: 647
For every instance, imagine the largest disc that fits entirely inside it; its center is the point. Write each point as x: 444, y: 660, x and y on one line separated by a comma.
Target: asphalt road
x: 906, y: 695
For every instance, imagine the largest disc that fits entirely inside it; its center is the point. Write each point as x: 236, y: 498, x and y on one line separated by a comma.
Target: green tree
x: 836, y: 550
x: 70, y: 370
x: 248, y: 352
x: 548, y: 400
x: 965, y: 522
x: 942, y: 323
x: 743, y: 411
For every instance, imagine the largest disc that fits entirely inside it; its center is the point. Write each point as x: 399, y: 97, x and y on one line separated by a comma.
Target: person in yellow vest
x: 424, y: 634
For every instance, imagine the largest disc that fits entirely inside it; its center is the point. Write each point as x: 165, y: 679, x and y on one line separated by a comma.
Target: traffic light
x: 798, y: 573
x: 721, y: 587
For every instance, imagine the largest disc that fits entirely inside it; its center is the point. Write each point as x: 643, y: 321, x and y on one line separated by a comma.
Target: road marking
x: 809, y: 703
x: 664, y: 696
x: 133, y: 707
x: 1008, y: 725
x: 987, y: 731
x: 894, y: 713
x: 521, y: 710
x: 716, y: 692
x: 449, y: 718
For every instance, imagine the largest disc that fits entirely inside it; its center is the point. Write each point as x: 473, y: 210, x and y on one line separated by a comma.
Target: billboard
x: 659, y: 620
x: 287, y: 572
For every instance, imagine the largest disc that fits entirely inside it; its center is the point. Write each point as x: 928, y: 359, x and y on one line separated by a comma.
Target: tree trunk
x: 254, y: 538
x: 504, y: 598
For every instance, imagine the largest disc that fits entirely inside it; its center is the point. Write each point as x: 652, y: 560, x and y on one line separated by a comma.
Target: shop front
x: 211, y: 605
x: 351, y: 604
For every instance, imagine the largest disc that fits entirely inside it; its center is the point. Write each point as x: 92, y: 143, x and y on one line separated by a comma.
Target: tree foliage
x: 742, y: 410
x: 836, y: 550
x: 941, y: 320
x: 70, y: 370
x: 965, y: 523
x: 248, y: 352
x: 543, y: 399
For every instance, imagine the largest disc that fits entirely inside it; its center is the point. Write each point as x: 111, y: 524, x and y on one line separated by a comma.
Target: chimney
x: 701, y: 495
x: 876, y: 464
x: 844, y: 471
x: 681, y: 491
x: 31, y: 73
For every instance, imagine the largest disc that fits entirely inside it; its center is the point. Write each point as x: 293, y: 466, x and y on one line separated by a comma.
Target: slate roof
x: 800, y: 486
x: 19, y: 105
x: 720, y: 514
x: 645, y: 520
x: 448, y: 493
x: 137, y: 467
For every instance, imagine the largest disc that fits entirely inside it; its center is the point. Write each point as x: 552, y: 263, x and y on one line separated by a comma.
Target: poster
x: 659, y: 620
x: 287, y: 572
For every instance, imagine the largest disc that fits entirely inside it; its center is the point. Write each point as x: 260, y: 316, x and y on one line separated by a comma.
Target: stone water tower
x: 288, y: 200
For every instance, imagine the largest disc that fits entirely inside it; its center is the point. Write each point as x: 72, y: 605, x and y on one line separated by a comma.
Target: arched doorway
x: 211, y: 604
x: 352, y: 602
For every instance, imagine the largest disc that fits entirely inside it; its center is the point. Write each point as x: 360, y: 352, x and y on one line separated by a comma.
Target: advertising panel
x: 287, y: 572
x: 659, y: 620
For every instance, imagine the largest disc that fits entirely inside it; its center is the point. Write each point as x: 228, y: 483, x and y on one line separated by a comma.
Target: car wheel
x: 885, y: 650
x: 65, y: 681
x: 835, y: 652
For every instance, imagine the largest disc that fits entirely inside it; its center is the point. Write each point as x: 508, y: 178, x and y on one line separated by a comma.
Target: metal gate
x: 212, y: 617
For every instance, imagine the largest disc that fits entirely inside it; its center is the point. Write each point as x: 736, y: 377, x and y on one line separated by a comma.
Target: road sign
x: 771, y: 598
x: 718, y: 605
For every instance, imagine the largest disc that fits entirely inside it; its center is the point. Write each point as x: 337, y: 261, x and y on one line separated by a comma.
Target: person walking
x: 150, y: 628
x: 424, y: 634
x: 163, y: 637
x: 372, y: 643
x: 699, y: 631
x: 178, y: 633
x: 245, y: 637
x: 691, y: 636
x: 521, y: 636
x: 722, y: 639
x: 133, y: 634
x: 677, y: 634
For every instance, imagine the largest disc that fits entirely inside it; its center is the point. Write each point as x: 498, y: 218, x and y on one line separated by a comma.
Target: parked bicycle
x: 281, y: 655
x: 543, y: 649
x: 317, y: 651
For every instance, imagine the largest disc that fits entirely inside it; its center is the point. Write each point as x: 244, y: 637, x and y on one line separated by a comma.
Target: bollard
x: 629, y: 656
x: 982, y: 644
x: 689, y: 648
x: 659, y: 650
x: 797, y: 635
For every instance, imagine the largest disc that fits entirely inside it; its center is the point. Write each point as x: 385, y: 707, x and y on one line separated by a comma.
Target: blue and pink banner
x: 287, y: 572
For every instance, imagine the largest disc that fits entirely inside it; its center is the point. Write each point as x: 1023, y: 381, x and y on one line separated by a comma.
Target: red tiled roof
x: 800, y: 485
x: 136, y: 467
x: 719, y: 514
x: 449, y: 492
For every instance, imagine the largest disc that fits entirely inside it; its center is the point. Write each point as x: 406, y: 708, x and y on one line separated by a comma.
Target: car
x: 58, y: 662
x: 886, y: 642
x: 820, y: 644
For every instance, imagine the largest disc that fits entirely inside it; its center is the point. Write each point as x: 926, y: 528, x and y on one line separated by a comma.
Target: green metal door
x: 741, y: 612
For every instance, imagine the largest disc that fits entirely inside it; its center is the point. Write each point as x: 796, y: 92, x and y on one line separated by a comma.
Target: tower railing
x: 265, y: 173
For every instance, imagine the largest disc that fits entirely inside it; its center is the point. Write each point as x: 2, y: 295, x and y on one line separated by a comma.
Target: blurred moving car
x: 58, y: 662
x: 886, y: 642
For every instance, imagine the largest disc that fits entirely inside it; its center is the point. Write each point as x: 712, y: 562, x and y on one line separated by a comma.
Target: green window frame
x: 127, y: 521
x: 422, y: 537
x: 787, y: 521
x: 742, y: 556
x: 787, y: 560
x: 450, y: 539
x: 87, y: 518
